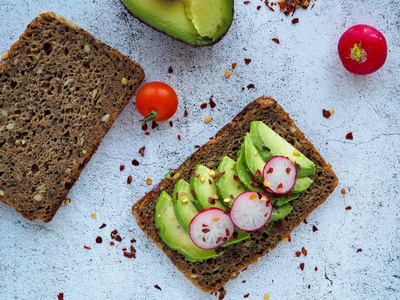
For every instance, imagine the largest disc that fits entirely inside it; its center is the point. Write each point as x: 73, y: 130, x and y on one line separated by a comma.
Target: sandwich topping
x: 222, y: 207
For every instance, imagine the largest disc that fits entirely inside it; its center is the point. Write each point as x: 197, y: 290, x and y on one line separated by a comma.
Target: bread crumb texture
x: 60, y: 91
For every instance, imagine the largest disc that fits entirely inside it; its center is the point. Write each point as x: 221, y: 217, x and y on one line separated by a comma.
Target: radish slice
x: 211, y: 228
x: 251, y: 210
x: 279, y: 175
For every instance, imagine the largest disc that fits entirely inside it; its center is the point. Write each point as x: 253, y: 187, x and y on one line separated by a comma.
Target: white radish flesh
x: 251, y: 211
x: 279, y: 175
x: 211, y: 228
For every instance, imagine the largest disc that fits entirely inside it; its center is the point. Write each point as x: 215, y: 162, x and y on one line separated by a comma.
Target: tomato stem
x: 150, y: 117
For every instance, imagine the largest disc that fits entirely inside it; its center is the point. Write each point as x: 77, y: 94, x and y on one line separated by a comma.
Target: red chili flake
x: 246, y: 296
x: 135, y: 162
x: 203, y: 105
x: 254, y: 183
x: 121, y: 167
x: 204, y: 225
x: 316, y: 269
x: 326, y: 113
x: 288, y: 195
x: 309, y: 286
x: 195, y: 174
x: 185, y: 113
x: 102, y: 226
x: 99, y: 240
x: 219, y: 239
x: 349, y: 136
x: 112, y: 243
x: 298, y: 253
x: 258, y: 7
x: 86, y: 247
x: 237, y: 179
x: 179, y: 137
x: 146, y: 220
x: 144, y: 127
x: 60, y: 296
x: 302, y: 266
x: 246, y: 2
x: 304, y: 251
x: 305, y: 221
x: 118, y: 238
x: 289, y: 239
x: 206, y: 230
x: 170, y: 70
x: 133, y: 250
x: 234, y: 66
x: 157, y: 287
x: 197, y: 146
x: 286, y: 13
x: 129, y: 180
x: 171, y: 124
x: 209, y: 182
x: 247, y: 61
x: 148, y: 195
x: 270, y: 170
x: 359, y: 250
x: 235, y: 235
x: 154, y: 124
x: 257, y: 173
x: 295, y: 21
x: 348, y: 208
x: 243, y: 88
x: 124, y: 249
x: 227, y: 232
x: 212, y: 103
x: 276, y: 40
x: 279, y: 187
x: 211, y: 200
x: 147, y: 133
x: 133, y: 240
x: 141, y: 151
x: 314, y: 228
x: 219, y: 175
x: 243, y: 281
x: 128, y: 255
x: 288, y: 170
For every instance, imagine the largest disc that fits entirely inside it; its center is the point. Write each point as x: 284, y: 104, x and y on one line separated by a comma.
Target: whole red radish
x: 362, y: 49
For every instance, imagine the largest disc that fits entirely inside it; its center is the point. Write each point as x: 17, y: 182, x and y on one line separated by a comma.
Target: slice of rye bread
x: 60, y: 92
x: 212, y: 274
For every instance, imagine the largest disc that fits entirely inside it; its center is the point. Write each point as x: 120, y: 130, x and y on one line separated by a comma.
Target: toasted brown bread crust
x: 210, y: 275
x: 61, y: 90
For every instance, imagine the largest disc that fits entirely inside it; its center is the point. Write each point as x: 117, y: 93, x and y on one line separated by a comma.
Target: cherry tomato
x: 362, y: 49
x: 156, y: 101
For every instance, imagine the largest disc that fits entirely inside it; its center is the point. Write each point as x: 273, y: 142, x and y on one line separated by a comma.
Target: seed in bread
x: 60, y: 91
x: 212, y: 274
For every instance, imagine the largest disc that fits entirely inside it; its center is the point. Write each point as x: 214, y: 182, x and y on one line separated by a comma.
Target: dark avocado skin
x: 202, y: 43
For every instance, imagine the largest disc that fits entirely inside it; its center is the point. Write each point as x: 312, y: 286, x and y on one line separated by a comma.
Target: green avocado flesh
x: 172, y: 233
x: 209, y: 188
x: 196, y: 22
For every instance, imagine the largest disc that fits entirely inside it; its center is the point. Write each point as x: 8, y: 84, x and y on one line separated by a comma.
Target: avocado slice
x: 227, y: 186
x: 254, y: 162
x: 184, y: 204
x: 280, y: 212
x: 204, y: 187
x: 265, y: 139
x: 195, y: 22
x: 282, y: 200
x: 301, y: 184
x: 244, y: 175
x: 241, y: 235
x: 172, y: 233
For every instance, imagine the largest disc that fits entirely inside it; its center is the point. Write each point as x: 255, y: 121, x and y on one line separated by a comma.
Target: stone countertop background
x: 304, y: 73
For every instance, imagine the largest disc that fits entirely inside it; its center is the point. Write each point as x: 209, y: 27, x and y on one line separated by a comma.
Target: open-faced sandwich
x: 237, y: 196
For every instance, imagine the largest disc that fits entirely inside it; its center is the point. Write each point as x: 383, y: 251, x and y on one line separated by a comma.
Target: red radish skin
x: 251, y: 210
x: 280, y: 174
x: 211, y: 228
x: 362, y: 49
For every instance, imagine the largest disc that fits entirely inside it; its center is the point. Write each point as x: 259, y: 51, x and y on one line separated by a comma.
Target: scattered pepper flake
x: 304, y: 251
x: 93, y: 215
x: 258, y: 7
x: 298, y: 253
x: 343, y: 191
x: 305, y: 221
x: 154, y: 124
x: 316, y: 269
x: 243, y: 281
x: 295, y: 21
x: 135, y: 162
x: 309, y: 286
x: 359, y: 250
x: 141, y: 151
x: 326, y: 113
x: 147, y: 133
x: 99, y: 240
x: 60, y: 296
x: 121, y: 168
x: 185, y: 113
x: 86, y: 247
x: 246, y: 2
x: 234, y: 66
x: 102, y: 226
x: 250, y: 86
x: 129, y: 179
x: 302, y: 266
x: 133, y: 241
x: 348, y: 208
x: 112, y: 243
x: 170, y: 70
x: 67, y: 201
x: 145, y: 127
x: 247, y: 61
x: 212, y: 103
x: 314, y: 228
x: 128, y: 255
x: 207, y: 120
x: 228, y: 74
x: 276, y: 40
x: 171, y: 124
x: 203, y: 105
x: 246, y: 296
x: 118, y: 238
x: 157, y: 287
x: 349, y: 136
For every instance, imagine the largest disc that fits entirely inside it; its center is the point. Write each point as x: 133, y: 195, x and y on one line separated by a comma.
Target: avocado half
x: 195, y: 22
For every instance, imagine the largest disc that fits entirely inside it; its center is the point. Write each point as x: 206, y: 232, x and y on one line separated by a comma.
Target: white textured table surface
x: 303, y: 72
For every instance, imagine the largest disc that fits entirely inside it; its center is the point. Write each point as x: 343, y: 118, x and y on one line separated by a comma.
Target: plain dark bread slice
x: 60, y: 92
x: 210, y: 275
